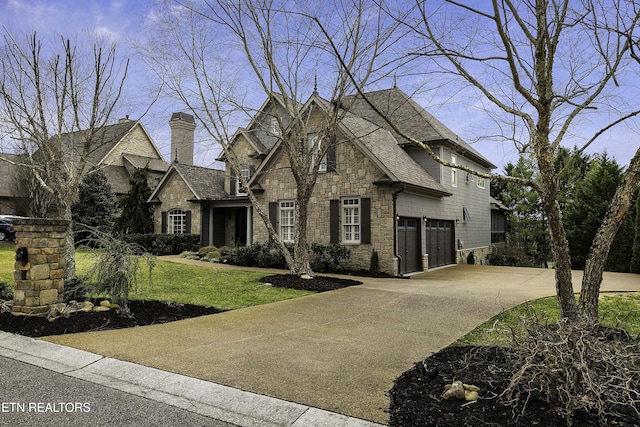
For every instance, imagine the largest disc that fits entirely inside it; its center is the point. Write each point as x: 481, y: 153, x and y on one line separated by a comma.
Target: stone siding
x: 39, y: 282
x: 136, y: 142
x: 353, y: 177
x: 175, y: 195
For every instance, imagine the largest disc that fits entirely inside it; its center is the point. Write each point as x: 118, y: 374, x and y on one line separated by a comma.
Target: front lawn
x: 186, y: 284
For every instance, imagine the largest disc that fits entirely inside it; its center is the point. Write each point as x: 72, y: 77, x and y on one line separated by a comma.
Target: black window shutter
x: 233, y: 182
x: 334, y: 221
x: 204, y: 227
x: 273, y: 215
x: 365, y: 220
x: 187, y: 222
x: 164, y: 222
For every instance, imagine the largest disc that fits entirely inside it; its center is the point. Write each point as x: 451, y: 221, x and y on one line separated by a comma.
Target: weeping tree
x: 56, y: 97
x: 543, y: 71
x: 218, y: 57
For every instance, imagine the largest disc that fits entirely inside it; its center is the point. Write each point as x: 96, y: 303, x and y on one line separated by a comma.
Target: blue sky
x: 122, y: 20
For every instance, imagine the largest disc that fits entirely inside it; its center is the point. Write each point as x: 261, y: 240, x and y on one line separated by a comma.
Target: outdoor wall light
x: 457, y: 221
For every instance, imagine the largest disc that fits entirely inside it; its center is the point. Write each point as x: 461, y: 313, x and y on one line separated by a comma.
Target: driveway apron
x: 340, y: 350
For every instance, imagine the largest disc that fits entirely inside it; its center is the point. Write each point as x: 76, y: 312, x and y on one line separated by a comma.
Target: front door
x: 409, y: 245
x: 440, y: 243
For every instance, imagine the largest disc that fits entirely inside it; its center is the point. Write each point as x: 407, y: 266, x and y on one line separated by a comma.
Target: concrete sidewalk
x: 337, y: 351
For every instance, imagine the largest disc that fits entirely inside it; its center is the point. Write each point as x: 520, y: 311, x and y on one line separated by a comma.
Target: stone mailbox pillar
x: 39, y: 267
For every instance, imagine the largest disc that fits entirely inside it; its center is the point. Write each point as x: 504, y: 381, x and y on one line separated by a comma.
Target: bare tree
x: 56, y: 99
x: 542, y: 65
x: 217, y: 54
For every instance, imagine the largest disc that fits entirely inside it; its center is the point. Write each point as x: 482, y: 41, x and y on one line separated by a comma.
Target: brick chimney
x: 182, y: 137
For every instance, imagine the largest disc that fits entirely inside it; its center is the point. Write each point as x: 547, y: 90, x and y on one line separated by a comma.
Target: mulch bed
x: 147, y: 312
x: 416, y: 397
x: 317, y: 283
x: 142, y: 313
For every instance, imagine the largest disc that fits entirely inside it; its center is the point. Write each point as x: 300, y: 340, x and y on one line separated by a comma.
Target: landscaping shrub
x: 511, y: 257
x: 76, y: 289
x: 6, y: 293
x: 374, y: 264
x: 164, y: 244
x: 324, y: 258
x: 116, y: 267
x: 328, y: 258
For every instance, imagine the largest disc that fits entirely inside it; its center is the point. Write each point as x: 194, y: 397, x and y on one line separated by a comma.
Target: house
x: 123, y: 147
x: 375, y: 190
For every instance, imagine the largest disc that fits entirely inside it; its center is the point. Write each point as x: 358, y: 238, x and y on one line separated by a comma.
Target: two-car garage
x: 439, y: 243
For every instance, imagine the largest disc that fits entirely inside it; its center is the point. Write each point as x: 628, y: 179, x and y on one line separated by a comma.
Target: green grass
x: 187, y: 284
x: 7, y: 262
x: 618, y: 310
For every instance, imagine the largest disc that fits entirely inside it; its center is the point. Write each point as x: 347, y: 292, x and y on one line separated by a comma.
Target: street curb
x: 217, y: 401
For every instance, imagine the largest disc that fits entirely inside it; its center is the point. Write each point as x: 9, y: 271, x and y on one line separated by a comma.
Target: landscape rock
x: 454, y: 391
x: 87, y: 306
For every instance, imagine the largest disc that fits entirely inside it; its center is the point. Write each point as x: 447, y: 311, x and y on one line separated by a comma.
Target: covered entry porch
x: 226, y: 224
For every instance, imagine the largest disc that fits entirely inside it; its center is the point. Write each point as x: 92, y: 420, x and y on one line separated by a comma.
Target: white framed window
x: 454, y: 172
x: 287, y: 214
x: 176, y: 221
x: 314, y: 145
x: 245, y: 170
x: 274, y: 129
x: 350, y: 211
x: 481, y: 182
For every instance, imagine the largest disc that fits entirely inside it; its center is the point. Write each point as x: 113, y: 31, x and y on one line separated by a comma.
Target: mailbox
x: 22, y: 255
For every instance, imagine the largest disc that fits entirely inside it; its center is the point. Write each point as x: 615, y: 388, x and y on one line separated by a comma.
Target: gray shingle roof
x: 206, y: 184
x: 410, y: 118
x: 118, y: 178
x: 106, y: 137
x: 142, y: 162
x: 397, y: 165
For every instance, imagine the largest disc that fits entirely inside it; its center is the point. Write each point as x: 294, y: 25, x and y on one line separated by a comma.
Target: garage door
x: 440, y: 240
x: 409, y: 245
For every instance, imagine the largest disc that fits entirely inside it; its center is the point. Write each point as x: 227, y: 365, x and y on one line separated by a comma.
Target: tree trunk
x: 301, y: 259
x: 69, y: 247
x: 549, y: 196
x: 601, y: 245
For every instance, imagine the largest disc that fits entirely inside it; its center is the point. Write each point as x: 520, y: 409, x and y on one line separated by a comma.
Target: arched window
x: 176, y: 221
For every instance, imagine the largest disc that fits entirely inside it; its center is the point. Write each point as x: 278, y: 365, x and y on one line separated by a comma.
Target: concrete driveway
x: 340, y: 350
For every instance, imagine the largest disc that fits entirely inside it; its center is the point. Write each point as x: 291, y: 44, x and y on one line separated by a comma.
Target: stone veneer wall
x: 39, y: 282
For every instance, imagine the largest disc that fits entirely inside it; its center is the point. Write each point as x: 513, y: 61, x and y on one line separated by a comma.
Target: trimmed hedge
x: 324, y: 258
x: 164, y: 244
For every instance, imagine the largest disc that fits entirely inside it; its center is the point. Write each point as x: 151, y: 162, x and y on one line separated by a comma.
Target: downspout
x: 395, y: 227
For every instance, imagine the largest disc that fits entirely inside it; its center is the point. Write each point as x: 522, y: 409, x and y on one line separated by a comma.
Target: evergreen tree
x: 136, y: 215
x: 526, y: 231
x: 584, y: 214
x: 571, y: 166
x: 95, y: 206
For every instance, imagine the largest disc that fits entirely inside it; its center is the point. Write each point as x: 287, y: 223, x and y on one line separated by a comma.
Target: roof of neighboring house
x: 8, y: 174
x: 106, y: 139
x: 205, y: 183
x: 142, y: 162
x: 412, y: 119
x: 118, y: 178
